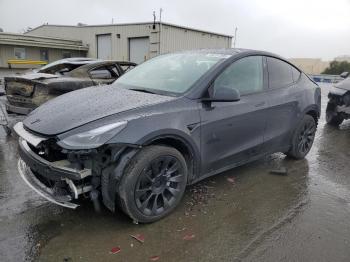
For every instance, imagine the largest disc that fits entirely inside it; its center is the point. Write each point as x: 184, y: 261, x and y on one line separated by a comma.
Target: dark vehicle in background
x: 26, y: 92
x: 338, y: 107
x: 170, y: 122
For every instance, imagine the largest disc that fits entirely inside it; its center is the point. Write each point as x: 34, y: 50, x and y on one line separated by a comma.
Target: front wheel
x: 332, y: 116
x: 153, y: 183
x: 303, y: 138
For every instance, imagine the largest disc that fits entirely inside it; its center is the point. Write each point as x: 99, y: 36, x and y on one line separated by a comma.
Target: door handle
x: 260, y: 104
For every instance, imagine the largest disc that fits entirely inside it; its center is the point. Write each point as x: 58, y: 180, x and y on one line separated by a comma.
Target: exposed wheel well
x: 182, y: 147
x: 314, y: 114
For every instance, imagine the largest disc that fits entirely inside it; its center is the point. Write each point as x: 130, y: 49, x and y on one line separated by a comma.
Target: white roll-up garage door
x: 138, y: 49
x: 104, y: 47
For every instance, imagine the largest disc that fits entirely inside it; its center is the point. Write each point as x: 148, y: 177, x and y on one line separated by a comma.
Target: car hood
x: 80, y: 107
x: 32, y: 76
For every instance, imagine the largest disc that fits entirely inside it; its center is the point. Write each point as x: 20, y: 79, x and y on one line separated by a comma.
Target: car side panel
x: 284, y: 110
x: 232, y: 131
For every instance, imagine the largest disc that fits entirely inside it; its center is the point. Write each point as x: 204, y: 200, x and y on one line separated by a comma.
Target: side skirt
x: 223, y: 169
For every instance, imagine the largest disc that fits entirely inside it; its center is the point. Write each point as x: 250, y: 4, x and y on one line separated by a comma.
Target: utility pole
x: 160, y: 25
x: 154, y: 20
x: 235, y: 37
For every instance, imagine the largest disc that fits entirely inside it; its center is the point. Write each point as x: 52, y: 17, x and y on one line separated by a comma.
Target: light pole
x: 160, y: 25
x: 235, y: 37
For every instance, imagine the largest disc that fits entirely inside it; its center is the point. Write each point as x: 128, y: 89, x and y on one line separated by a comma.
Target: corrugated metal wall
x: 120, y: 36
x: 172, y: 38
x: 176, y: 39
x: 33, y: 53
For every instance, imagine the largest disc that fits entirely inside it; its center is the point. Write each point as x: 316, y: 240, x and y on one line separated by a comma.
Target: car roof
x: 231, y: 52
x: 82, y: 71
x: 73, y: 61
x: 224, y: 51
x: 97, y: 63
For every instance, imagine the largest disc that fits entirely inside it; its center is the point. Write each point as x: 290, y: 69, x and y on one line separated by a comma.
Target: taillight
x: 19, y: 88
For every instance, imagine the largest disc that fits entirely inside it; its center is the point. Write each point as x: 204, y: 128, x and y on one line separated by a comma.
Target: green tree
x: 336, y: 68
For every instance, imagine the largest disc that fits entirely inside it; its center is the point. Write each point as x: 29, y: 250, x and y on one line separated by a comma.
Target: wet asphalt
x: 246, y: 214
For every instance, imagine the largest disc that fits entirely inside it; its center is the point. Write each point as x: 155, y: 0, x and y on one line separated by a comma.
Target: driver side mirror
x: 224, y: 94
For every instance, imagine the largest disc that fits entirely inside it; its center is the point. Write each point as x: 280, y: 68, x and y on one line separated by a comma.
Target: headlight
x: 93, y: 138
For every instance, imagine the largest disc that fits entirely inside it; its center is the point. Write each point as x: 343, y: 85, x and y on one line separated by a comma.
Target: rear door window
x: 280, y: 73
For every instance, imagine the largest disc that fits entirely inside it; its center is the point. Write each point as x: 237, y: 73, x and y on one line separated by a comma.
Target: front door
x: 233, y: 132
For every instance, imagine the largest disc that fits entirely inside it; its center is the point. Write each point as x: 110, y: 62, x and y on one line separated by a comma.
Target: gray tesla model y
x: 176, y: 119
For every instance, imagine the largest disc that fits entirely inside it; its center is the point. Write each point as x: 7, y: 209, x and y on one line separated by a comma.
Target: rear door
x: 283, y: 98
x: 233, y: 132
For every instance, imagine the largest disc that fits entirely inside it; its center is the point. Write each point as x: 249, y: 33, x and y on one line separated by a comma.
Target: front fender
x: 190, y: 140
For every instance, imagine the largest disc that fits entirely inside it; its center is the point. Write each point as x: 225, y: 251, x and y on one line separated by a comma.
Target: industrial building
x: 24, y: 51
x: 135, y: 42
x: 310, y: 66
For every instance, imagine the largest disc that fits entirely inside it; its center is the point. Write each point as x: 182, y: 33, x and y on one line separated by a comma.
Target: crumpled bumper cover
x: 48, y: 169
x: 35, y: 171
x: 44, y: 191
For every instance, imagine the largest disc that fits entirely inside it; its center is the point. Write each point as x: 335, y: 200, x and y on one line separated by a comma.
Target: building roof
x: 136, y: 23
x: 40, y: 41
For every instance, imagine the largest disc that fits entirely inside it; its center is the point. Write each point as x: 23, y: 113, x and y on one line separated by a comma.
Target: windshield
x: 173, y: 73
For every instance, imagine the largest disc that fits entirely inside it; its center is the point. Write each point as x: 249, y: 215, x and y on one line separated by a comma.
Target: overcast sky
x: 291, y: 28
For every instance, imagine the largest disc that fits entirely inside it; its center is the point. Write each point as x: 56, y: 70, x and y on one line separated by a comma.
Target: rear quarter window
x: 280, y: 73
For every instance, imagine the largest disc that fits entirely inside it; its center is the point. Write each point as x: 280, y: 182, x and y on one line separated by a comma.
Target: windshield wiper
x: 142, y: 90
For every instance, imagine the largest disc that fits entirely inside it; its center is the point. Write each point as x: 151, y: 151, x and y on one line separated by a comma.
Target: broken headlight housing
x: 92, y: 138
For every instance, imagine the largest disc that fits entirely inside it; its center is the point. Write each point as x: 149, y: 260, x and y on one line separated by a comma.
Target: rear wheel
x: 332, y: 116
x: 153, y: 183
x: 303, y: 138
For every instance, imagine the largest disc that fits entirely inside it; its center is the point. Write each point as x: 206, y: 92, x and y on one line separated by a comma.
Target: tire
x: 303, y: 138
x: 153, y: 183
x: 332, y: 117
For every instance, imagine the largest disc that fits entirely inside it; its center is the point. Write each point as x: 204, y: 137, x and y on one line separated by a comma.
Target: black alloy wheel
x: 303, y: 138
x: 306, y: 137
x: 153, y: 183
x: 159, y: 185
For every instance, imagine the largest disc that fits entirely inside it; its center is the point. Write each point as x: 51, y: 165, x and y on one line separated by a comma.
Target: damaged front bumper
x: 55, y: 181
x: 73, y: 173
x: 44, y: 191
